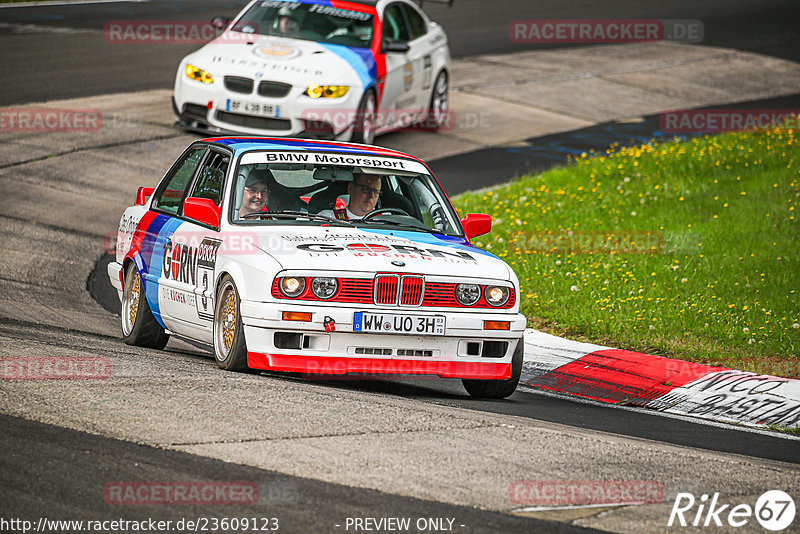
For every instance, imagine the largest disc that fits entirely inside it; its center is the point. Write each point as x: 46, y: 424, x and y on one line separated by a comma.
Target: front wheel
x: 139, y: 326
x: 364, y: 127
x: 498, y: 389
x: 230, y: 350
x: 438, y: 108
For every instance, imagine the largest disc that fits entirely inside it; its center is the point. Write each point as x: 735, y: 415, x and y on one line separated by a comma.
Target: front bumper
x: 466, y: 350
x: 207, y: 109
x: 327, y: 365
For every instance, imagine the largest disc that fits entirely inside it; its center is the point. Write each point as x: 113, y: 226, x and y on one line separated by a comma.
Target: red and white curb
x: 623, y: 377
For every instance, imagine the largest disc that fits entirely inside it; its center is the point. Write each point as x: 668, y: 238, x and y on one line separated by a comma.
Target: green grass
x: 682, y: 249
x: 787, y: 429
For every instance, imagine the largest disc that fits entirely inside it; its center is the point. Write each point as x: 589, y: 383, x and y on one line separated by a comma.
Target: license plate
x: 384, y: 323
x: 253, y: 108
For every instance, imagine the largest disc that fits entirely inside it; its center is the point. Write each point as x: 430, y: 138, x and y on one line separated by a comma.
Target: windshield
x: 310, y: 22
x: 342, y: 189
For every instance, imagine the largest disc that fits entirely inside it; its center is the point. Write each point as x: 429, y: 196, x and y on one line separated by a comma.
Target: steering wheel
x: 375, y: 212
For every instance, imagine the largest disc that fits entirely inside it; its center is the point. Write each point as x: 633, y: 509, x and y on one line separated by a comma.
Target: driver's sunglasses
x: 367, y: 190
x: 256, y: 191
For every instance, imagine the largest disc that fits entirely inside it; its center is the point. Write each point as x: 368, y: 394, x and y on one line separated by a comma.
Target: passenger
x: 256, y: 192
x: 364, y: 191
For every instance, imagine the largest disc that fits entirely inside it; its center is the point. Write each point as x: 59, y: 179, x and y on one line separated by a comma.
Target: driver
x: 255, y: 194
x: 288, y: 23
x: 364, y: 191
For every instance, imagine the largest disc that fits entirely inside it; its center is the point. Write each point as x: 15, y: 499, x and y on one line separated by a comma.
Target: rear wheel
x: 230, y: 350
x: 139, y: 326
x: 498, y: 389
x: 364, y: 128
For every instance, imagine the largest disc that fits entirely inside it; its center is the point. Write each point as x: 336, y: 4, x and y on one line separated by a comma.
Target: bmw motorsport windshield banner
x: 327, y: 158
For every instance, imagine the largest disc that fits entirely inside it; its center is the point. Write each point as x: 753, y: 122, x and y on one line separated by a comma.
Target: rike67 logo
x: 774, y: 510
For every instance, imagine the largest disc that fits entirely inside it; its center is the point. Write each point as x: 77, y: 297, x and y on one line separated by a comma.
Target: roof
x: 240, y: 144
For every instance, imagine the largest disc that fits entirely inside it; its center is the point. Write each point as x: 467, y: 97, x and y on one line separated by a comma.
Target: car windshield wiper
x: 404, y: 225
x: 292, y: 214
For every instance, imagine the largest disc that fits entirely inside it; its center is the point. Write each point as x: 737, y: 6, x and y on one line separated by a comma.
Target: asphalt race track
x: 53, y: 457
x: 319, y: 451
x: 594, y: 416
x: 40, y: 65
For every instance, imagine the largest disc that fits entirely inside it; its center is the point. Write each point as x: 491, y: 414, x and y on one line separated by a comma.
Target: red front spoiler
x: 338, y: 366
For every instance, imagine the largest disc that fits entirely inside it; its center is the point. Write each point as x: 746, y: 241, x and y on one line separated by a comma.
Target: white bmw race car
x: 317, y: 257
x: 325, y: 69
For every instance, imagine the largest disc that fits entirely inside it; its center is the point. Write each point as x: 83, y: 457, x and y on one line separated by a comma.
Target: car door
x: 167, y: 202
x: 420, y: 58
x: 190, y: 257
x: 397, y: 90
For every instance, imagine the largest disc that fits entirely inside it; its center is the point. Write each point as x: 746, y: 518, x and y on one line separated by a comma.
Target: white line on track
x: 27, y: 29
x: 572, y: 507
x: 698, y: 420
x: 73, y: 3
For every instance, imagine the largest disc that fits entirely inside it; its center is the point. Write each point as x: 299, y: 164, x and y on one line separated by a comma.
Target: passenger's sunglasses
x: 254, y: 192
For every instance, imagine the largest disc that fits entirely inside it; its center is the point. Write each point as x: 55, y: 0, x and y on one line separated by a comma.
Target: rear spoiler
x: 449, y: 3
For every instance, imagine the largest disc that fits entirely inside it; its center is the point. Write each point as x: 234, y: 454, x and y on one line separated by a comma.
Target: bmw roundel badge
x: 398, y: 263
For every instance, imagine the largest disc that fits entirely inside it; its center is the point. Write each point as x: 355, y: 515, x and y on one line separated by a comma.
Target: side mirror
x: 202, y: 210
x: 476, y: 224
x: 142, y: 193
x: 390, y: 45
x: 220, y: 23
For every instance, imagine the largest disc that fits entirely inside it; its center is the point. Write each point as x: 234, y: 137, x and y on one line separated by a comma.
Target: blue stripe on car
x: 458, y: 243
x: 241, y: 146
x: 155, y: 259
x: 360, y: 59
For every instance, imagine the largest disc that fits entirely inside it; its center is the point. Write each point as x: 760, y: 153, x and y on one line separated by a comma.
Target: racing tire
x: 498, y: 389
x: 230, y: 349
x: 139, y: 326
x: 438, y: 107
x: 364, y: 127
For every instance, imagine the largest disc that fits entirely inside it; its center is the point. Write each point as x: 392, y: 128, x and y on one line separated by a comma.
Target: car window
x: 170, y: 195
x: 431, y: 209
x: 416, y: 22
x: 325, y: 184
x: 394, y: 23
x: 287, y: 187
x: 307, y: 21
x: 211, y: 177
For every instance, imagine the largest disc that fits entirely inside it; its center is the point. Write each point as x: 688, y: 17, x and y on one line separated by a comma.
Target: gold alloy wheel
x: 228, y: 320
x: 133, y: 292
x: 134, y: 307
x: 225, y: 319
